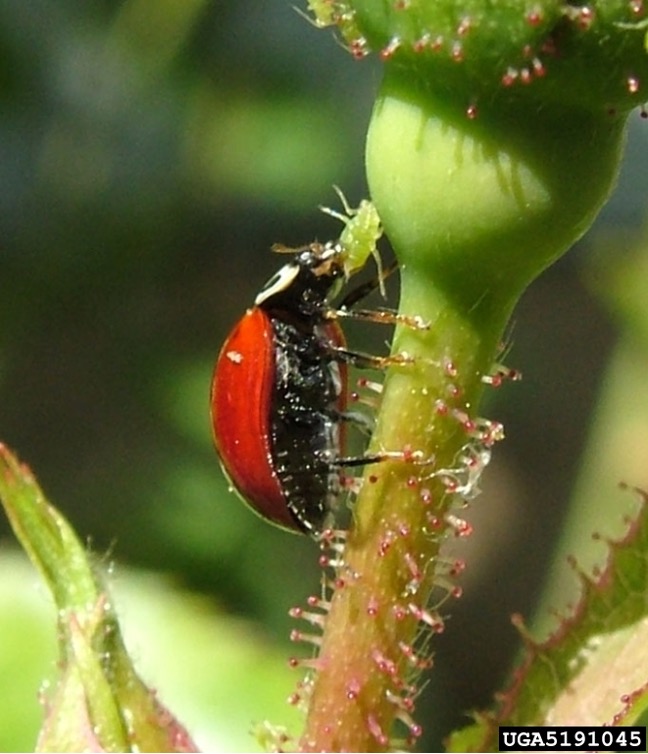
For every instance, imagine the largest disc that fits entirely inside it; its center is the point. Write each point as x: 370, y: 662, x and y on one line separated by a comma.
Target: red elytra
x: 279, y: 393
x: 242, y: 387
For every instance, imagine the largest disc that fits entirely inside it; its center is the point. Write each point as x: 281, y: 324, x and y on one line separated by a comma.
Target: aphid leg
x: 348, y: 209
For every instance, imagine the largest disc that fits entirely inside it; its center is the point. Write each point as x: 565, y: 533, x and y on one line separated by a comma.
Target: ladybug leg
x: 362, y: 291
x: 362, y: 421
x: 380, y: 316
x: 387, y: 455
x: 349, y: 463
x: 367, y: 360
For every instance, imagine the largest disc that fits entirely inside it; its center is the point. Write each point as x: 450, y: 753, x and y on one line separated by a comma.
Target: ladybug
x: 279, y: 389
x: 279, y: 395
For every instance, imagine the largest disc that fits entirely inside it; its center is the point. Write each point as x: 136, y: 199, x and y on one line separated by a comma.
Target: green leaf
x: 99, y: 703
x: 220, y: 674
x: 593, y: 670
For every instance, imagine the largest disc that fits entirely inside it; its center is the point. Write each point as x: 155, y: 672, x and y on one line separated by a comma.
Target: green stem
x: 475, y: 209
x: 390, y: 558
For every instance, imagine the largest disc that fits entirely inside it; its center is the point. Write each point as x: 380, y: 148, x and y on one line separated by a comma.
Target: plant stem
x: 368, y: 658
x: 475, y: 209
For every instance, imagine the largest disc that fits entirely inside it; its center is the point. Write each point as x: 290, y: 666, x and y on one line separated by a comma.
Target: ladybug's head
x: 307, y: 282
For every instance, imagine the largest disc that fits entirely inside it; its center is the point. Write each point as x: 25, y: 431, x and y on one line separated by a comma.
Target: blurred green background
x: 151, y: 152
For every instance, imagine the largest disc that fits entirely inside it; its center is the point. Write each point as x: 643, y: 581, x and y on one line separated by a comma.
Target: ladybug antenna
x: 280, y: 248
